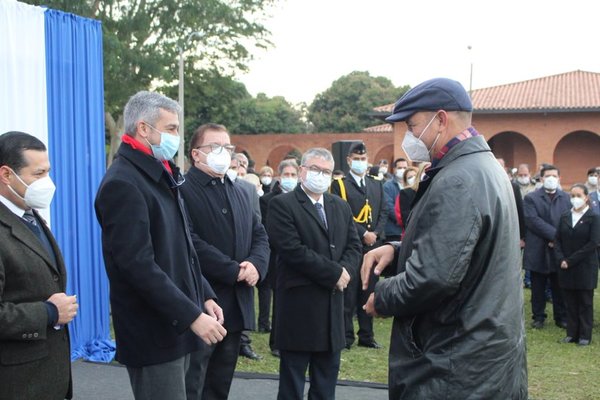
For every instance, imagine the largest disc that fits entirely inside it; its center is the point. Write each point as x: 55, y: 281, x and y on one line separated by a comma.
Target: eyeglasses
x: 218, y: 148
x: 317, y: 170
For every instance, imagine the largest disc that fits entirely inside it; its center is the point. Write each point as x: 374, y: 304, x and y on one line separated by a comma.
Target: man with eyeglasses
x: 315, y: 239
x: 161, y: 304
x: 233, y: 249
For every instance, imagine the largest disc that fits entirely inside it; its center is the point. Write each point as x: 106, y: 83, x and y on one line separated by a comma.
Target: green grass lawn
x: 556, y: 371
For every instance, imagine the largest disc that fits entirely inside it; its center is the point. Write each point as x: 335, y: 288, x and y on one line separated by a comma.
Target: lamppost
x: 471, y: 73
x: 181, y: 152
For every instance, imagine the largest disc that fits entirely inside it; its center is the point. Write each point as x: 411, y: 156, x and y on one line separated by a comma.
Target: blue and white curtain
x: 51, y: 86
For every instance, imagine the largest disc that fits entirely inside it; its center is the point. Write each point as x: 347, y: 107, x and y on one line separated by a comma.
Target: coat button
x: 35, y: 335
x: 224, y: 211
x: 213, y: 183
x: 55, y: 278
x: 24, y: 336
x: 175, y: 322
x: 29, y: 336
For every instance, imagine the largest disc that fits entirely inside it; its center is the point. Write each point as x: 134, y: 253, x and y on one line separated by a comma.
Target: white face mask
x: 266, y: 180
x: 218, y: 163
x: 415, y: 148
x: 383, y: 170
x: 232, y: 174
x: 523, y: 180
x: 577, y: 202
x: 317, y: 182
x: 400, y: 173
x: 411, y: 181
x: 593, y: 180
x: 551, y: 183
x: 38, y: 194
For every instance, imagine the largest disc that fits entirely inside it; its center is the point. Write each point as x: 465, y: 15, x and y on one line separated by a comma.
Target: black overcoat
x: 310, y: 311
x: 156, y: 285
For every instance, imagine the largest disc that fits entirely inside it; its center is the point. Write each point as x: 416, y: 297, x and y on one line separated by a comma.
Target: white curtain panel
x: 23, y: 105
x: 23, y: 102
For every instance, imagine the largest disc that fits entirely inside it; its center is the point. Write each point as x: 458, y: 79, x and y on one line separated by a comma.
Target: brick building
x: 554, y: 119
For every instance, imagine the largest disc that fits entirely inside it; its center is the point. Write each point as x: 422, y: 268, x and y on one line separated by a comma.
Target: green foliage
x: 347, y: 105
x: 142, y: 38
x: 268, y: 115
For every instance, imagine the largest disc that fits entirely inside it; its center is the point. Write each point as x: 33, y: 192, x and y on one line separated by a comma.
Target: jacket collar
x: 202, y: 178
x: 25, y: 236
x: 476, y: 144
x: 146, y: 163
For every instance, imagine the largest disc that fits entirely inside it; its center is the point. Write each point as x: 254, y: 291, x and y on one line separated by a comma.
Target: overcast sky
x: 318, y: 41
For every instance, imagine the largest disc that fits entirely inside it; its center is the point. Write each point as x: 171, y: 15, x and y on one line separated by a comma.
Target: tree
x: 141, y: 39
x: 348, y: 104
x: 268, y: 115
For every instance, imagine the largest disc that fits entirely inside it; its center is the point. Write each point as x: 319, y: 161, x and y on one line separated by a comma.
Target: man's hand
x: 208, y: 329
x: 379, y: 258
x: 66, y: 305
x: 369, y: 307
x: 522, y: 243
x: 564, y: 265
x: 369, y: 238
x: 213, y: 309
x: 248, y: 273
x: 342, y: 283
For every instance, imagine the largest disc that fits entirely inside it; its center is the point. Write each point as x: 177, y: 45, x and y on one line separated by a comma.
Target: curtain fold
x: 75, y: 103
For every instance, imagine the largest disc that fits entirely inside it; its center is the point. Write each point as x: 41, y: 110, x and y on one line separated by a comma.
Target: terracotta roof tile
x: 379, y: 128
x: 571, y: 91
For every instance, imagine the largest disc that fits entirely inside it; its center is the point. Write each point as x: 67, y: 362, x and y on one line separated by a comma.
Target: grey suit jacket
x: 35, y: 360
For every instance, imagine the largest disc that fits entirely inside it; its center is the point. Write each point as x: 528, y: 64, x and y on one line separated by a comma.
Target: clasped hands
x: 343, y: 281
x: 209, y: 325
x: 248, y: 273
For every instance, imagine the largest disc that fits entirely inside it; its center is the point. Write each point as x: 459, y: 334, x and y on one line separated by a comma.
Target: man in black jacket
x: 234, y: 252
x: 317, y: 246
x: 160, y: 302
x: 365, y: 196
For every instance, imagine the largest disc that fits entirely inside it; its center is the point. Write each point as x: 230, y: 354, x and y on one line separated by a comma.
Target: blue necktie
x: 33, y: 226
x: 321, y: 213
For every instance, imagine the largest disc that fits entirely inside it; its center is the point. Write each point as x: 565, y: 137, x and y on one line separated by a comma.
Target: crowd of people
x: 184, y: 252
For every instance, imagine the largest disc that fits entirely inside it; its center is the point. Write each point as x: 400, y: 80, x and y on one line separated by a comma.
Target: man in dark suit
x: 35, y: 360
x: 233, y: 249
x: 317, y: 246
x: 542, y: 209
x: 161, y: 304
x: 288, y: 180
x: 365, y: 196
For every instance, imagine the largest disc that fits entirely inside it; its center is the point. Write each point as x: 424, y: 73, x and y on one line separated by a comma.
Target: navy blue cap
x: 432, y: 95
x: 358, y: 148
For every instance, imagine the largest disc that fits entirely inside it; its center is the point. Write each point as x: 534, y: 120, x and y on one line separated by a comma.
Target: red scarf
x: 135, y: 144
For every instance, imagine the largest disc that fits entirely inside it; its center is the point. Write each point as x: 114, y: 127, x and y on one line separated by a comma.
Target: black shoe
x: 275, y: 353
x: 561, y: 324
x: 567, y: 339
x: 537, y: 324
x: 264, y: 329
x: 372, y: 344
x: 583, y: 342
x: 348, y: 346
x: 246, y: 351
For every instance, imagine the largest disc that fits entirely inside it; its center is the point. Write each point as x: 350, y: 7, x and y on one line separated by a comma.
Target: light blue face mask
x: 359, y: 166
x: 289, y: 184
x: 169, y: 144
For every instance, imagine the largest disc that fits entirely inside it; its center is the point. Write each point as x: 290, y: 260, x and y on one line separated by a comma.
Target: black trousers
x: 354, y: 298
x: 323, y: 368
x: 580, y: 313
x: 264, y: 304
x: 538, y: 297
x: 211, y: 369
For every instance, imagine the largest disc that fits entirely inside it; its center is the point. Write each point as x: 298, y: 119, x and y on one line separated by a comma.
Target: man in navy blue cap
x: 456, y: 297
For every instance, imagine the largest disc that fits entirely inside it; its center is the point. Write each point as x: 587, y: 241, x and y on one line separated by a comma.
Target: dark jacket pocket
x: 15, y: 353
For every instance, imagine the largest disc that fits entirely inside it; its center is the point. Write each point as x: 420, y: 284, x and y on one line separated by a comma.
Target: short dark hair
x: 582, y: 187
x: 12, y: 146
x: 198, y: 135
x: 593, y: 170
x: 397, y: 160
x: 549, y: 167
